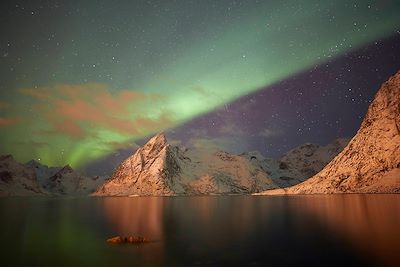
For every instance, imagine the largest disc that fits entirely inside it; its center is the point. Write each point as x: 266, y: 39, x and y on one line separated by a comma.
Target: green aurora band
x: 219, y: 60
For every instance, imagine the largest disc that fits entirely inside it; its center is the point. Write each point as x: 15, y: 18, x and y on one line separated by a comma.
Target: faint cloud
x: 205, y: 144
x: 207, y: 95
x: 4, y: 122
x: 231, y: 128
x: 214, y: 144
x: 33, y: 143
x: 121, y: 145
x: 80, y: 110
x: 35, y: 93
x: 70, y: 109
x: 268, y: 133
x: 67, y: 91
x: 4, y: 105
x: 71, y: 129
x: 195, y: 133
x: 200, y: 90
x: 248, y: 105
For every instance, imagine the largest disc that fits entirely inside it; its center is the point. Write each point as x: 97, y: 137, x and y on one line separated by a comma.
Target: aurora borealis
x: 82, y: 79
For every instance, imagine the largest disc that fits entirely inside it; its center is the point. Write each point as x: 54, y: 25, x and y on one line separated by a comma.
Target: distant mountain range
x: 34, y: 178
x: 369, y: 163
x: 159, y: 168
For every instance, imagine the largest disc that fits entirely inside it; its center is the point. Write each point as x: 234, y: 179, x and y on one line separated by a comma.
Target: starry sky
x: 86, y: 82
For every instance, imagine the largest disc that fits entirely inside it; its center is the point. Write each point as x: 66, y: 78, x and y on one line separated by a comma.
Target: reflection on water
x: 331, y: 230
x: 136, y: 216
x: 370, y: 222
x: 48, y: 232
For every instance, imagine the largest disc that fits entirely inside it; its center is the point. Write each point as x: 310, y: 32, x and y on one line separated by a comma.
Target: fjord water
x: 318, y: 230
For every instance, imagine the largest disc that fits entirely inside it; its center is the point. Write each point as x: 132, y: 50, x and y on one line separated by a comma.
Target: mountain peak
x: 36, y: 164
x: 149, y: 171
x: 155, y: 144
x: 158, y: 138
x: 67, y: 169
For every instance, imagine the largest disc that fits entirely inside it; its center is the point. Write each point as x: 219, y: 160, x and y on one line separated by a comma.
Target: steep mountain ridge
x: 17, y: 179
x: 148, y: 171
x: 370, y: 163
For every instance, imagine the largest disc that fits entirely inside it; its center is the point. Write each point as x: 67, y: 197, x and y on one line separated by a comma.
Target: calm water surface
x: 332, y: 230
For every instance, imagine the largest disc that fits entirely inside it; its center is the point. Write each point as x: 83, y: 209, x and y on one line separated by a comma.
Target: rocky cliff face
x: 370, y: 163
x: 148, y: 172
x: 17, y: 179
x: 305, y: 161
x: 161, y: 169
x: 67, y: 181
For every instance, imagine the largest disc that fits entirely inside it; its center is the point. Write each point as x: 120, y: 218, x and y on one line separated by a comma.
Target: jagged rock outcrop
x: 17, y: 179
x: 64, y: 180
x: 161, y: 169
x: 43, y: 172
x: 370, y: 163
x: 67, y: 181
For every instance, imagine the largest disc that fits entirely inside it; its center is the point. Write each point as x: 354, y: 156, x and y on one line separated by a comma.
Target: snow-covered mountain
x: 161, y: 169
x: 370, y: 163
x: 67, y: 181
x: 298, y: 164
x: 17, y: 179
x: 306, y: 160
x: 34, y: 178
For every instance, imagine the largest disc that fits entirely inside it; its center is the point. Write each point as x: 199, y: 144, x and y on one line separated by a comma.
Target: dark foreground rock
x: 127, y: 240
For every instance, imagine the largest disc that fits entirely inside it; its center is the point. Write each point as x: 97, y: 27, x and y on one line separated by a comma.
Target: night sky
x: 86, y: 82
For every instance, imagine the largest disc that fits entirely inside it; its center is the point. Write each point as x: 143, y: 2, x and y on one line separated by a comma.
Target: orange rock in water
x: 127, y: 240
